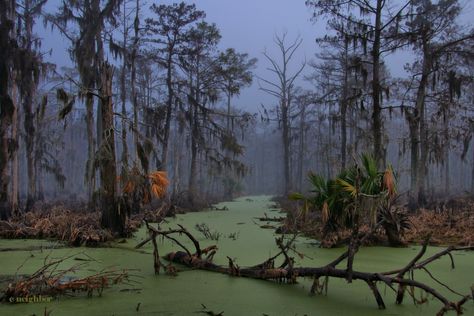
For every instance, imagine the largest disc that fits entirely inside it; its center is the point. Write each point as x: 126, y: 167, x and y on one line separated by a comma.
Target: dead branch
x: 270, y: 219
x: 288, y: 273
x: 154, y: 233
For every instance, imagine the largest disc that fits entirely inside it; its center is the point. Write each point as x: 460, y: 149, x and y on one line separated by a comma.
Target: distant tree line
x: 421, y: 123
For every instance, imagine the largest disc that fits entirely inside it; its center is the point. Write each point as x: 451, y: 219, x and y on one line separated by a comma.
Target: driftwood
x: 271, y: 219
x: 288, y: 273
x: 215, y: 208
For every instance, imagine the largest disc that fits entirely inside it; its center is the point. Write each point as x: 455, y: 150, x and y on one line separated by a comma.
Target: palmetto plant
x: 358, y: 192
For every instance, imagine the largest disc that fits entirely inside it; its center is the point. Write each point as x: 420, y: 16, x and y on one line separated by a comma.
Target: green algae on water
x: 184, y: 294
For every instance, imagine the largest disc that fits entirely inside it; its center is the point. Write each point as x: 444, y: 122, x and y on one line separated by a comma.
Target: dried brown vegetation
x: 447, y: 226
x: 449, y: 223
x: 51, y: 280
x: 76, y: 228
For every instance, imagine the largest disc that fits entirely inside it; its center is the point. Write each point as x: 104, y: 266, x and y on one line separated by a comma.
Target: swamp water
x: 184, y: 294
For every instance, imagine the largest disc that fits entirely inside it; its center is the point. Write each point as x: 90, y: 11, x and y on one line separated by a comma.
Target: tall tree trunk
x: 286, y: 146
x: 229, y: 97
x: 123, y: 96
x: 5, y: 208
x: 7, y: 19
x: 124, y: 125
x: 194, y: 155
x: 15, y: 160
x: 472, y: 170
x: 344, y: 107
x: 177, y: 154
x: 112, y: 217
x: 193, y: 174
x: 228, y: 185
x: 90, y: 177
x: 423, y: 132
x: 376, y: 89
x: 414, y: 153
x: 343, y: 134
x: 169, y: 109
x: 327, y: 151
x: 29, y: 90
x: 446, y: 153
x: 29, y: 148
x: 134, y: 78
x: 302, y: 147
x: 135, y: 108
x: 15, y: 124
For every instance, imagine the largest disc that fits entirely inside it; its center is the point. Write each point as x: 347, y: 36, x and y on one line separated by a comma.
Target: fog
x: 267, y: 133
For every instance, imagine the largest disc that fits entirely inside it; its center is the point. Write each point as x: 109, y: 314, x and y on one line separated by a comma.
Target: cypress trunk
x: 15, y: 160
x: 6, y: 104
x: 376, y: 90
x: 169, y: 110
x: 112, y: 217
x: 423, y: 132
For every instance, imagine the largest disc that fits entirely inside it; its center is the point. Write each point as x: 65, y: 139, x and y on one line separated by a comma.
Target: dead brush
x: 50, y: 280
x: 447, y: 227
x: 76, y: 228
x: 204, y: 229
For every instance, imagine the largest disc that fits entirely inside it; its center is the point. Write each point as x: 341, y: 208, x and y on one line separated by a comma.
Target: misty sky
x: 249, y: 26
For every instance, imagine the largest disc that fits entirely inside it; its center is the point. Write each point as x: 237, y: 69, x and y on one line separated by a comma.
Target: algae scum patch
x: 242, y: 239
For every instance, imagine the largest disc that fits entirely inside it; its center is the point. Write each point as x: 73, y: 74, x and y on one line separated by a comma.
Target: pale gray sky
x: 249, y: 26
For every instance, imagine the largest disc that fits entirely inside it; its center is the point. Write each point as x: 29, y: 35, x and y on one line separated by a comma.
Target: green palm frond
x: 347, y: 187
x: 370, y: 166
x: 357, y: 191
x: 295, y: 196
x: 318, y: 182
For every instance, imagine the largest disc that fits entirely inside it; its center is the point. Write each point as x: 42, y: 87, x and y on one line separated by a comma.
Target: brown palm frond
x: 389, y: 182
x: 129, y: 187
x: 325, y: 213
x: 159, y: 183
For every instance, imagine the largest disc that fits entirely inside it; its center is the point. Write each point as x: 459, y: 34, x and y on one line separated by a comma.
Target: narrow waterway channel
x: 241, y: 238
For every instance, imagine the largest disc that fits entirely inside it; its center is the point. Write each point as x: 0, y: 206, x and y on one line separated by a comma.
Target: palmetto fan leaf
x: 318, y: 182
x: 370, y: 166
x: 360, y: 190
x: 295, y: 196
x: 347, y: 187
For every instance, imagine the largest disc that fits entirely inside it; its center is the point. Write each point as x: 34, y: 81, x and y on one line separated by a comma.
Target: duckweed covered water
x: 184, y: 294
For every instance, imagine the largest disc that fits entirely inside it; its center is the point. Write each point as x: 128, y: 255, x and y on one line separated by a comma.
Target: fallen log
x: 288, y: 273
